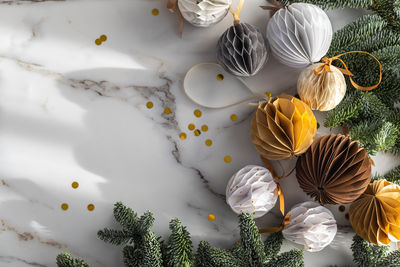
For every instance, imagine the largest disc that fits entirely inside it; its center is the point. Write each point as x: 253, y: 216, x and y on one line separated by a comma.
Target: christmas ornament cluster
x: 331, y: 169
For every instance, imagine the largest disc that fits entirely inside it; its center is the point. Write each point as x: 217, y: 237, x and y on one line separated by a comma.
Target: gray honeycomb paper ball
x: 242, y: 50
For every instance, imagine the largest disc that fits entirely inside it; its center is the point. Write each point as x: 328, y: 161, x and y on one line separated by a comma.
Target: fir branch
x: 125, y: 216
x: 345, y: 112
x: 293, y: 258
x: 330, y: 4
x: 272, y: 245
x: 179, y: 251
x: 393, y: 175
x: 67, y: 260
x: 115, y: 237
x: 132, y: 257
x: 366, y: 254
x: 207, y: 256
x: 253, y: 248
x: 392, y: 260
x: 389, y: 10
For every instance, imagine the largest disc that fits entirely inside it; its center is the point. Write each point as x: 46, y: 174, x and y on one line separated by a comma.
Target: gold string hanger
x: 172, y: 6
x: 239, y: 7
x: 327, y: 62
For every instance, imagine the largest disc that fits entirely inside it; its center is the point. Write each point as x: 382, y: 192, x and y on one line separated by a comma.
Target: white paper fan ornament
x: 252, y: 190
x: 299, y: 34
x: 310, y: 225
x: 204, y: 13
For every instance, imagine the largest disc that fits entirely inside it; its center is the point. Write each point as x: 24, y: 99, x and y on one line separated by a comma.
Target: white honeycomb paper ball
x: 310, y: 225
x: 299, y: 34
x: 251, y: 190
x: 204, y: 13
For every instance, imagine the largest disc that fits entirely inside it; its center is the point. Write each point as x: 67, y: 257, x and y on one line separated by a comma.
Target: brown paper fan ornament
x: 334, y: 170
x: 282, y: 127
x: 375, y: 216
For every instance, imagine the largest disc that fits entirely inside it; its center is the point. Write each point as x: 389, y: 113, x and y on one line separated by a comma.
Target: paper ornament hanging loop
x: 326, y: 67
x: 323, y: 86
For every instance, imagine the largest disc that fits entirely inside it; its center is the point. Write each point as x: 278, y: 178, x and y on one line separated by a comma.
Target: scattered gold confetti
x: 220, y: 77
x: 234, y: 117
x: 211, y: 217
x: 90, y: 207
x: 342, y: 208
x: 182, y: 136
x: 204, y: 128
x: 208, y: 142
x: 191, y: 126
x: 227, y: 159
x: 197, y: 132
x: 268, y: 94
x: 75, y: 185
x: 149, y: 104
x: 64, y: 206
x: 167, y: 111
x: 103, y: 38
x: 155, y: 12
x: 197, y: 113
x: 97, y: 42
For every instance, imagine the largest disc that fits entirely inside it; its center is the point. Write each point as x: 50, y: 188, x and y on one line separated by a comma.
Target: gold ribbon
x: 172, y: 6
x: 274, y: 8
x: 328, y: 61
x: 286, y: 221
x: 236, y: 13
x: 278, y: 189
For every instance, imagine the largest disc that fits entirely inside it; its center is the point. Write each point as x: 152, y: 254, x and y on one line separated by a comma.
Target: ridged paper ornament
x: 252, y: 190
x: 282, y: 127
x: 375, y: 216
x: 242, y: 50
x: 334, y: 170
x: 322, y: 91
x: 204, y: 13
x: 299, y: 34
x: 311, y: 226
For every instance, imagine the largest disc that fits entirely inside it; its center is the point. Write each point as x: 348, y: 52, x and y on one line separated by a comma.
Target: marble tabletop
x: 72, y: 111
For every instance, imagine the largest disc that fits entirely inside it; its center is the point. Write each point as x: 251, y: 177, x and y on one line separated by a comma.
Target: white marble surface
x: 74, y: 111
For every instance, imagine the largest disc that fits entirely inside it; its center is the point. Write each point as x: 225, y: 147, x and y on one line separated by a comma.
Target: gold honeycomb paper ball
x: 282, y: 127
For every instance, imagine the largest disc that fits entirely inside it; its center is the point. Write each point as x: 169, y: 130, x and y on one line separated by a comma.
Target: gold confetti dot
x: 227, y: 159
x: 182, y: 136
x: 191, y: 126
x: 155, y: 12
x: 97, y: 42
x: 75, y: 185
x: 220, y: 77
x: 64, y: 206
x: 103, y: 38
x: 268, y: 94
x: 90, y: 207
x: 208, y: 142
x: 197, y: 132
x: 234, y: 117
x: 197, y: 113
x: 342, y: 208
x: 211, y: 217
x: 149, y: 104
x: 204, y: 128
x: 167, y: 111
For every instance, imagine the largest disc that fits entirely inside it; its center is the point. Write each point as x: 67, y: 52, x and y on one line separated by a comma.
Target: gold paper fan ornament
x: 282, y: 127
x: 375, y: 216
